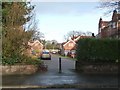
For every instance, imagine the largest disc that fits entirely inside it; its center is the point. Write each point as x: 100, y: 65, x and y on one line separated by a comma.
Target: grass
x: 67, y: 57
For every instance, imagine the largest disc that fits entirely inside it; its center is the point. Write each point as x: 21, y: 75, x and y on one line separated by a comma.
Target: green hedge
x: 98, y: 50
x: 21, y: 60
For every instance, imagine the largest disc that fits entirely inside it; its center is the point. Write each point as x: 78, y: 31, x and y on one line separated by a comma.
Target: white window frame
x: 71, y: 45
x: 114, y: 25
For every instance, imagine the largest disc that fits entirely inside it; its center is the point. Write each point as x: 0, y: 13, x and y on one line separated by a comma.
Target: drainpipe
x: 118, y: 19
x: 117, y: 28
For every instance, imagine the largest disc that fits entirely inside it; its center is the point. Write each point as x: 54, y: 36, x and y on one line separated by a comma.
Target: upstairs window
x: 114, y: 25
x: 71, y: 45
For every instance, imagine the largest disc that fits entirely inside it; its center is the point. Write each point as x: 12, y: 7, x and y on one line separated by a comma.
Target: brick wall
x: 18, y: 69
x: 103, y: 68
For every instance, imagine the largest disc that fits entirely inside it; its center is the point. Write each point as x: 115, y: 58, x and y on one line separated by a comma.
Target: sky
x: 56, y: 19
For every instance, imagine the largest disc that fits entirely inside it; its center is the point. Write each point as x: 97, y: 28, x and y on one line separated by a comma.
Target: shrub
x: 20, y: 59
x: 30, y: 60
x: 33, y: 62
x: 98, y: 50
x: 11, y: 60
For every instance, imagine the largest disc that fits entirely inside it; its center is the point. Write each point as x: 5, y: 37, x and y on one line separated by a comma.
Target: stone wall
x: 108, y: 68
x: 18, y: 69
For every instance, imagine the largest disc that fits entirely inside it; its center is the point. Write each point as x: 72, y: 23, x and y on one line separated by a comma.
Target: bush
x: 98, y: 50
x: 20, y: 59
x: 11, y: 60
x: 33, y: 62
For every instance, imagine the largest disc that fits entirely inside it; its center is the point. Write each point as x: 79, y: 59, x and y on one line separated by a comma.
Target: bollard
x: 60, y: 69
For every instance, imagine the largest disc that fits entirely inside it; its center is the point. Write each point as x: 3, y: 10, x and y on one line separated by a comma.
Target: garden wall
x: 103, y: 68
x: 18, y: 69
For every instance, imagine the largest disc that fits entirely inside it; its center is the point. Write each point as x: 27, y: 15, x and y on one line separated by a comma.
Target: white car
x: 54, y: 51
x: 46, y: 55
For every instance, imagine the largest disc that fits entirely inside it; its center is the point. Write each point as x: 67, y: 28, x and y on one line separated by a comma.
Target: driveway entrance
x: 69, y: 77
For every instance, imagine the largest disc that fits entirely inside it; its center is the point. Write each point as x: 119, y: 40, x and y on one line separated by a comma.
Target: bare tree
x: 77, y: 33
x: 72, y: 34
x: 33, y: 25
x: 38, y: 35
x: 110, y: 5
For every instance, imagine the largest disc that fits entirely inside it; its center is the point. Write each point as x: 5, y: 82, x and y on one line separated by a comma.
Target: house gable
x: 36, y: 45
x: 69, y: 45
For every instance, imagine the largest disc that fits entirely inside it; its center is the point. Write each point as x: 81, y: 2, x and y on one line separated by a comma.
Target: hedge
x: 98, y: 50
x: 21, y: 60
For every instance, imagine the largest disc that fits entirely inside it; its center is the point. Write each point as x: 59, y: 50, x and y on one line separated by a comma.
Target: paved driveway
x: 53, y: 78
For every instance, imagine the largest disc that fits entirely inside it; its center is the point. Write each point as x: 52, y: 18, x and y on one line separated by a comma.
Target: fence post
x: 60, y: 69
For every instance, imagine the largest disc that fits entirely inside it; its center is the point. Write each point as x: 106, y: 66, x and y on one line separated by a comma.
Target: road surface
x: 53, y: 78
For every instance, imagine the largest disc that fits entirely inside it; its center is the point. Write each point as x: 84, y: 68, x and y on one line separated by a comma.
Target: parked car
x: 54, y: 52
x: 46, y: 55
x: 72, y: 53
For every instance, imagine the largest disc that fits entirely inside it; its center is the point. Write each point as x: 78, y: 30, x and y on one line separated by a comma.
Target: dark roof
x: 105, y: 23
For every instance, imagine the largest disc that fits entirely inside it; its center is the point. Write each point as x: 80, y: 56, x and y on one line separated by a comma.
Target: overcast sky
x: 56, y: 19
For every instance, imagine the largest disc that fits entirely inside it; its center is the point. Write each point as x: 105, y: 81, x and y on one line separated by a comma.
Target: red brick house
x: 110, y: 29
x: 35, y: 47
x: 67, y: 46
x: 70, y: 45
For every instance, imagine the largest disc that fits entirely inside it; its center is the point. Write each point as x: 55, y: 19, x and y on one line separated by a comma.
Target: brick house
x: 67, y: 46
x: 109, y: 29
x: 70, y: 45
x: 35, y: 47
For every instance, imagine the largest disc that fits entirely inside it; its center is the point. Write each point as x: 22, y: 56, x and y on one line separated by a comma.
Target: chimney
x: 93, y: 35
x: 100, y: 25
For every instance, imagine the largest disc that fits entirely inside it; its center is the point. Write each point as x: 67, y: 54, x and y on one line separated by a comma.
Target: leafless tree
x: 110, y: 5
x: 76, y: 33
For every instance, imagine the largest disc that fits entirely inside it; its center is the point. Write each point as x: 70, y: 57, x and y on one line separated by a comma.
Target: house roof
x: 69, y: 42
x: 105, y: 23
x: 75, y: 39
x: 34, y: 42
x: 80, y: 37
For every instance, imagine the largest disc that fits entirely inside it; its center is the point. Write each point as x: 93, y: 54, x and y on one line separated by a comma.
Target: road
x: 53, y: 78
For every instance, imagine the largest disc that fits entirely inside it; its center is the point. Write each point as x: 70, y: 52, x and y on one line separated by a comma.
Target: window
x: 114, y: 26
x: 45, y: 52
x: 71, y: 44
x: 110, y: 25
x: 103, y: 26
